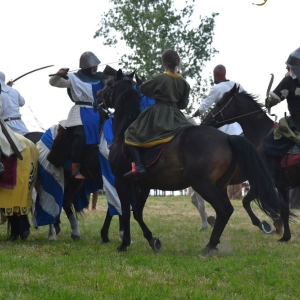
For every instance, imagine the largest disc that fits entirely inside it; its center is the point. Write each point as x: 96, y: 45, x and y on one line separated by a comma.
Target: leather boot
x: 138, y: 168
x: 76, y: 171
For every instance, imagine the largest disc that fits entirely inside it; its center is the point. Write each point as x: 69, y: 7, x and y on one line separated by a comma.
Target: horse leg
x: 125, y: 191
x: 24, y: 227
x: 52, y: 233
x: 75, y: 233
x: 220, y: 202
x: 121, y: 227
x: 141, y: 199
x: 198, y: 201
x: 264, y: 225
x: 284, y: 213
x: 105, y: 227
x: 13, y: 227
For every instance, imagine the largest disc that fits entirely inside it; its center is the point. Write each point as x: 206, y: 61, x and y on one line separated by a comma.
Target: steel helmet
x: 294, y: 61
x: 88, y: 59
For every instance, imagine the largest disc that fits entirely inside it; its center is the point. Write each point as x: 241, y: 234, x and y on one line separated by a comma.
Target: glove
x: 270, y: 101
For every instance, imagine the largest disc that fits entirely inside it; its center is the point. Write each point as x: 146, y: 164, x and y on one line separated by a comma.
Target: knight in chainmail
x: 83, y: 118
x: 287, y: 133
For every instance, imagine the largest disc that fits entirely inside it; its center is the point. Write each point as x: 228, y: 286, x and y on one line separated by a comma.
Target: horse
x: 245, y: 108
x: 16, y: 186
x: 59, y: 154
x: 207, y: 166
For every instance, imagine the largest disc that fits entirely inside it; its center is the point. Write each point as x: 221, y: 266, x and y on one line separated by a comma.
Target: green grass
x: 250, y: 265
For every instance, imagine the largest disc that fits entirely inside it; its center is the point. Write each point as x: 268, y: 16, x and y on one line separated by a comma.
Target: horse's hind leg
x: 264, y: 225
x: 220, y: 202
x: 285, y: 214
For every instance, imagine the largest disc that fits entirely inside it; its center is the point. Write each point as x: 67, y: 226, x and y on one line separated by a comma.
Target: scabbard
x: 11, y: 142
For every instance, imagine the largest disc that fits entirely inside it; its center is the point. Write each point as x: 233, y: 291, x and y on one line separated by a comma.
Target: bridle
x: 234, y: 118
x: 108, y: 90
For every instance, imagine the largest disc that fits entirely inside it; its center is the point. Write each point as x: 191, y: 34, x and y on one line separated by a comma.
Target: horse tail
x: 253, y: 168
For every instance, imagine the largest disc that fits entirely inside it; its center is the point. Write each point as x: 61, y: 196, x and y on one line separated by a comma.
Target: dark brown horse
x: 244, y: 108
x: 208, y: 166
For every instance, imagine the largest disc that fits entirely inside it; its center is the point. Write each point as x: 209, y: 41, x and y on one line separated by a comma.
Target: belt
x: 84, y: 103
x: 167, y: 103
x: 12, y: 118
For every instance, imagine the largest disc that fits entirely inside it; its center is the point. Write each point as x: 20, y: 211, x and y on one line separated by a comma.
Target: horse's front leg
x: 124, y: 193
x: 105, y: 228
x: 154, y: 242
x: 285, y: 214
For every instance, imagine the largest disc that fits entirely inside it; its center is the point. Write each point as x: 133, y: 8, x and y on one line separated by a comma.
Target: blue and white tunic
x: 85, y: 115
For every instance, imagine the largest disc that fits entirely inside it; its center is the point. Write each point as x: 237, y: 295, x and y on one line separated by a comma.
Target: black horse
x: 207, y: 165
x: 245, y: 109
x: 60, y: 153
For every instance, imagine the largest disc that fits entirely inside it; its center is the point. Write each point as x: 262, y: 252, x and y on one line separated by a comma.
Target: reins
x: 234, y: 118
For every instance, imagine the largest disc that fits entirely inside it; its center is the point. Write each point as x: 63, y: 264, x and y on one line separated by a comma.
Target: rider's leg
x: 137, y: 159
x: 77, y: 151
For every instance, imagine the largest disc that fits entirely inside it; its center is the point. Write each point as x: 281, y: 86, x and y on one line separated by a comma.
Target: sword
x: 31, y: 72
x: 269, y: 89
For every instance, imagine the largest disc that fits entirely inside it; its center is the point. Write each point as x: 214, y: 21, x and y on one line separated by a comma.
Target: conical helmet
x: 88, y: 59
x: 294, y: 61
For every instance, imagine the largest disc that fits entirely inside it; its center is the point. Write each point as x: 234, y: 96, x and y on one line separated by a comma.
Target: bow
x: 269, y: 89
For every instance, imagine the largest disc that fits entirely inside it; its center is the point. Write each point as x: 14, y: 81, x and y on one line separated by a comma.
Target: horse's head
x: 120, y: 94
x: 223, y: 110
x: 114, y: 85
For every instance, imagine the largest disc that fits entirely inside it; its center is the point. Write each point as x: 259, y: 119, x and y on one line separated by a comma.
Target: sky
x: 253, y: 42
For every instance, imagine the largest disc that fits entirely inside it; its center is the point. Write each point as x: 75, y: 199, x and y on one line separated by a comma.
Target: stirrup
x: 76, y: 172
x: 136, y: 172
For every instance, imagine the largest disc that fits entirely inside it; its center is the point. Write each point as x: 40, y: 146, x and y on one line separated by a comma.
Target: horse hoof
x: 155, y: 244
x: 202, y: 228
x: 122, y: 248
x: 211, y: 220
x: 52, y: 238
x: 13, y: 237
x: 210, y: 250
x: 75, y: 237
x: 266, y: 227
x: 105, y: 240
x: 24, y: 235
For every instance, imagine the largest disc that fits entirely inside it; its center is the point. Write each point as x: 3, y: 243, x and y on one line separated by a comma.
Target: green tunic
x: 160, y: 122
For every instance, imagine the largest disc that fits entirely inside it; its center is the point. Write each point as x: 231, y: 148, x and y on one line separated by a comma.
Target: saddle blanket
x: 18, y: 200
x: 291, y: 158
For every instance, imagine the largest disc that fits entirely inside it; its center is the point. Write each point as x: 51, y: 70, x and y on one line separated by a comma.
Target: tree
x: 148, y: 27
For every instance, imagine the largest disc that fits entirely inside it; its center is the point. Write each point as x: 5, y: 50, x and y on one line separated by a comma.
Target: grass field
x: 250, y: 265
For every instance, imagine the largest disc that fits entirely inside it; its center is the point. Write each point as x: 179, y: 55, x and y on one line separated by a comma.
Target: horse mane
x: 127, y: 102
x: 252, y: 98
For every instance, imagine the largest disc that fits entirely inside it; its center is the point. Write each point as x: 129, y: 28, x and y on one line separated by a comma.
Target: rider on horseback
x: 160, y: 122
x: 287, y: 133
x: 83, y: 118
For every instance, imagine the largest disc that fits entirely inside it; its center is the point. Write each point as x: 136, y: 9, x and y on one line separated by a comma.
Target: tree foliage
x: 148, y: 27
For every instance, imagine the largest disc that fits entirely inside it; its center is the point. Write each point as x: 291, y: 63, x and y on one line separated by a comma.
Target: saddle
x: 8, y: 179
x: 149, y: 155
